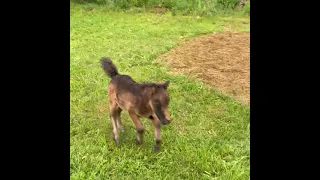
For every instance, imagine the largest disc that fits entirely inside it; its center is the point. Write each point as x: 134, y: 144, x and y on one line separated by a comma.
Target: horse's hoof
x: 117, y: 140
x: 138, y: 142
x: 156, y: 149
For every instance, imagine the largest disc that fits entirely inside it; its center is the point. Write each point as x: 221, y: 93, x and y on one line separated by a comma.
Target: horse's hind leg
x: 119, y: 123
x: 114, y: 116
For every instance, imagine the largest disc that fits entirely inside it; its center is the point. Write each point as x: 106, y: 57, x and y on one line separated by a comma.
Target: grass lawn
x: 209, y: 137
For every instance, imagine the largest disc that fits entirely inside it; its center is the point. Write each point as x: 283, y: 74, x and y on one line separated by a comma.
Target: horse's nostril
x: 164, y: 121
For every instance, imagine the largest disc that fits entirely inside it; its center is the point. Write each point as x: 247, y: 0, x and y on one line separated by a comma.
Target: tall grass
x: 184, y: 7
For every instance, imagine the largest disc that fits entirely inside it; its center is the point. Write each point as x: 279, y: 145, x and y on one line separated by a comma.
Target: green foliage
x: 228, y: 4
x: 184, y: 7
x: 246, y: 9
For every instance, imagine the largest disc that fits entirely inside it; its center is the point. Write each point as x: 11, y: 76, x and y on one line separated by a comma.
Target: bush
x: 246, y: 8
x: 228, y: 4
x: 199, y: 7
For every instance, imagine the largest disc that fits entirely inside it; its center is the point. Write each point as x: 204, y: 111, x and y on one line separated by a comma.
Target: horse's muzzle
x: 165, y: 121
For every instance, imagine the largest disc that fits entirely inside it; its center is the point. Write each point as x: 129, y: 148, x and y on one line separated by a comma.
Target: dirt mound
x: 220, y: 60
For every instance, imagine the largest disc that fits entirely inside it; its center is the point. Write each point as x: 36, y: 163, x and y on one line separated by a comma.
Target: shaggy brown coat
x: 148, y: 100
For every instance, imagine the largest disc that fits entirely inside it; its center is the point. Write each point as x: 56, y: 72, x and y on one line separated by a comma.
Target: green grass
x: 209, y: 135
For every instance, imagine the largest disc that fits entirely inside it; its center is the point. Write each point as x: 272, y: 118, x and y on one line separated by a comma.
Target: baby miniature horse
x: 140, y: 100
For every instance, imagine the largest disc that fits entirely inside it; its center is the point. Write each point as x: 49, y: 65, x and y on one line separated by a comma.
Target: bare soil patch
x: 220, y: 60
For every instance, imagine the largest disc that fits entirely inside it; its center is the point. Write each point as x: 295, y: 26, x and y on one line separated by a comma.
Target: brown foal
x: 148, y: 100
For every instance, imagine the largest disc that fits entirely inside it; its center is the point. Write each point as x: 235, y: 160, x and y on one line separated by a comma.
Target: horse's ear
x: 153, y: 90
x: 166, y: 85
